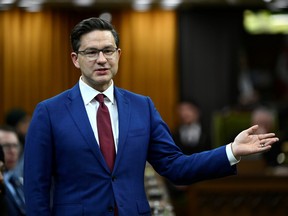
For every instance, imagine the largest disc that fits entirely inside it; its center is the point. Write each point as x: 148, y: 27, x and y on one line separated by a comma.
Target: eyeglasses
x: 93, y: 54
x: 10, y: 146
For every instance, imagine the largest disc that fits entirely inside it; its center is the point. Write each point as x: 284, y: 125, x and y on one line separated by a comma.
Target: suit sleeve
x: 38, y: 161
x: 168, y: 160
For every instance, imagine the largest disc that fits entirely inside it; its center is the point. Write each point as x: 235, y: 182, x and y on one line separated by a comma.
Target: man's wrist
x: 230, y: 155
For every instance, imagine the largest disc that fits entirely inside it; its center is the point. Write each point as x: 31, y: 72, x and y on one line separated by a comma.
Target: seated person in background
x: 265, y: 119
x: 14, y: 184
x: 19, y: 119
x: 3, y: 210
x: 190, y: 135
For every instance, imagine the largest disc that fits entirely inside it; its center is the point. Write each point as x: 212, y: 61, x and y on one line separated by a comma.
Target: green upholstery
x: 225, y: 126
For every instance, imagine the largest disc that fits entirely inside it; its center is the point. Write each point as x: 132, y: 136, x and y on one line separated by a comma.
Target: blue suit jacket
x: 61, y: 147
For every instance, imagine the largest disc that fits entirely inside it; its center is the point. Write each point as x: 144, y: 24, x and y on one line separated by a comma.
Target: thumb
x: 252, y: 129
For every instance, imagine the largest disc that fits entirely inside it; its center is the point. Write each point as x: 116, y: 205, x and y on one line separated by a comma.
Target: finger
x: 265, y: 136
x: 270, y: 141
x: 252, y: 129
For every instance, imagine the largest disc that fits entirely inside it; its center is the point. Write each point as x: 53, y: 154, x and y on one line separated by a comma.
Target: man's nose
x: 101, y: 57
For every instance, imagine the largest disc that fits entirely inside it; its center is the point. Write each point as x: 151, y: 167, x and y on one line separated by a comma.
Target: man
x: 65, y: 146
x: 19, y: 119
x: 14, y: 184
x: 265, y: 118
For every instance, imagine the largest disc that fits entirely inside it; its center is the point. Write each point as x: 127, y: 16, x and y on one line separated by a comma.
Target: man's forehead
x: 8, y: 137
x: 97, y: 36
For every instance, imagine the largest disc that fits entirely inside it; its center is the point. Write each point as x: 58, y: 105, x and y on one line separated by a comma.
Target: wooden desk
x: 242, y: 195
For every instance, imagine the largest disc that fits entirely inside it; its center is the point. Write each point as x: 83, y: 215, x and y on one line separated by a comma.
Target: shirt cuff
x: 230, y: 155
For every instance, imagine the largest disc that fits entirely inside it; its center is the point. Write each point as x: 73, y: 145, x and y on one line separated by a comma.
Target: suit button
x: 113, y: 178
x: 110, y: 209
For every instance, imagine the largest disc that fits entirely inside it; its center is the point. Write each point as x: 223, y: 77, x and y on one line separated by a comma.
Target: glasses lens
x: 7, y: 147
x: 93, y: 54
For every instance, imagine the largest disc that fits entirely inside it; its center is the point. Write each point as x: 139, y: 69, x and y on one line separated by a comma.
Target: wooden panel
x: 37, y: 63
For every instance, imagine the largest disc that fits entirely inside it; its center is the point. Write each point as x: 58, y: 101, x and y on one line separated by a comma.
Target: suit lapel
x: 76, y: 108
x: 123, y: 106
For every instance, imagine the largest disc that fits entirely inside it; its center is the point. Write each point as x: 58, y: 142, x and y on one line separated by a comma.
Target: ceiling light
x: 31, y: 5
x: 142, y: 5
x: 83, y: 3
x: 170, y: 4
x: 7, y: 1
x: 5, y: 4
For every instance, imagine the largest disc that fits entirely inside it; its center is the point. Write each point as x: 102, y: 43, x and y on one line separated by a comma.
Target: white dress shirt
x: 91, y: 105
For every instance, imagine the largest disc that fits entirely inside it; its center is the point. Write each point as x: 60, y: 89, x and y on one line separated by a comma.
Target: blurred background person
x: 14, y: 184
x: 19, y: 119
x: 3, y: 208
x: 190, y: 134
x: 266, y: 119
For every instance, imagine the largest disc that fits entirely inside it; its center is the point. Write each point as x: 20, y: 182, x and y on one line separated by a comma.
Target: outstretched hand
x: 249, y: 142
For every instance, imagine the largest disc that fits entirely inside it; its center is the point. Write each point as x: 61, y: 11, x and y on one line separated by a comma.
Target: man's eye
x: 108, y: 51
x: 91, y: 52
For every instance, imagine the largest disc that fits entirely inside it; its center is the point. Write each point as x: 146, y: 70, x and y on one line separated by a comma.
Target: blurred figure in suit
x: 190, y: 135
x: 265, y: 118
x: 19, y: 119
x: 13, y: 184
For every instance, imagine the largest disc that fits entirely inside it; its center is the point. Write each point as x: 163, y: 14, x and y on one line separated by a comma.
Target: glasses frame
x: 9, y: 147
x: 97, y: 53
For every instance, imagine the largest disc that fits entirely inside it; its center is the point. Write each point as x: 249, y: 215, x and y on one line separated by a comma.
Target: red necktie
x: 105, y: 133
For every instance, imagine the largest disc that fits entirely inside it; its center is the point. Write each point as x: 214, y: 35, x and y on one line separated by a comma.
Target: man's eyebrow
x: 105, y: 47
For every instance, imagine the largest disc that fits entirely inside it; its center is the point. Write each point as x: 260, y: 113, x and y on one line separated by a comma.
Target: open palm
x: 249, y: 142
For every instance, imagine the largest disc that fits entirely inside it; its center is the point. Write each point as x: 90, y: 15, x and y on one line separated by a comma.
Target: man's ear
x: 74, y: 58
x: 119, y: 52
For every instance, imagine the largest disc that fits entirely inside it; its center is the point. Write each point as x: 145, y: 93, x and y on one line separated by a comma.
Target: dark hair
x: 88, y: 25
x: 14, y: 116
x: 8, y: 128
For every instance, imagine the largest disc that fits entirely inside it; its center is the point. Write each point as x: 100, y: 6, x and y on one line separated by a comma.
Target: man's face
x: 188, y: 113
x: 97, y: 73
x: 11, y: 147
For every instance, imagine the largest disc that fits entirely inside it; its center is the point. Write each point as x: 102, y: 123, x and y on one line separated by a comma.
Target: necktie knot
x: 100, y: 98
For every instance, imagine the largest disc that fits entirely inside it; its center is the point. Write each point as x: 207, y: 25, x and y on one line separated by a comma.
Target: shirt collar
x: 88, y: 93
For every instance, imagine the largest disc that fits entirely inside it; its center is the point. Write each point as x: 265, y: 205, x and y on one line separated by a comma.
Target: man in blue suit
x: 63, y: 154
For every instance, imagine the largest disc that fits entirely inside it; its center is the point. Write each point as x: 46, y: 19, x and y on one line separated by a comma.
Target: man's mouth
x: 102, y: 71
